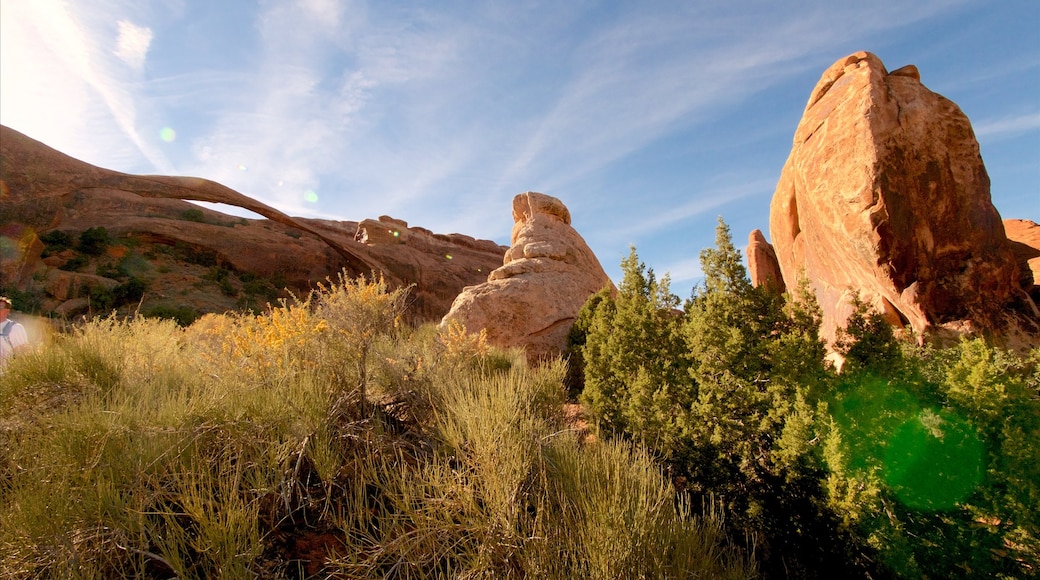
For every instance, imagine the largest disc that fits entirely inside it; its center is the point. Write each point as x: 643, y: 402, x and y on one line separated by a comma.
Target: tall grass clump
x: 322, y: 438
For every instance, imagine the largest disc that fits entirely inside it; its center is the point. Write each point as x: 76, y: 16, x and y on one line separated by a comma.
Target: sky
x: 649, y: 120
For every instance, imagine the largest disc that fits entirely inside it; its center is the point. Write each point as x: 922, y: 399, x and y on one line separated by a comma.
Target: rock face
x: 173, y: 245
x: 885, y: 193
x: 1024, y: 236
x: 763, y: 267
x: 548, y: 274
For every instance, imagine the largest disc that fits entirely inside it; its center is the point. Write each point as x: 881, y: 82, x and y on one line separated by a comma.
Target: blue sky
x: 648, y: 119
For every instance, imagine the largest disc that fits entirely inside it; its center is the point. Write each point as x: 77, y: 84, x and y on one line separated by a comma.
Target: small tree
x: 633, y: 353
x: 358, y: 311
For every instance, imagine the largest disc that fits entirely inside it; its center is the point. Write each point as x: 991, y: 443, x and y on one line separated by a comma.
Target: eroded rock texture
x: 885, y: 193
x: 1024, y: 236
x: 548, y: 274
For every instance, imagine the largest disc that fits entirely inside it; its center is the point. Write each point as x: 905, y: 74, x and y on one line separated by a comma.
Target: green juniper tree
x: 633, y: 352
x: 725, y: 392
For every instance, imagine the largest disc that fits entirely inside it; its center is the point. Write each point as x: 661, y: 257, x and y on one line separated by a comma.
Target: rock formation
x: 173, y: 244
x: 885, y: 194
x: 1024, y: 236
x: 763, y: 267
x: 548, y: 274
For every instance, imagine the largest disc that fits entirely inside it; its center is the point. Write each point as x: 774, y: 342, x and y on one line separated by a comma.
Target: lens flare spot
x: 310, y: 196
x: 242, y: 167
x: 396, y: 234
x: 448, y: 256
x: 933, y: 461
x: 930, y: 460
x: 167, y: 134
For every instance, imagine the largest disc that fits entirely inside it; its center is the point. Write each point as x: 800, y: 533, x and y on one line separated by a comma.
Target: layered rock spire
x: 547, y: 275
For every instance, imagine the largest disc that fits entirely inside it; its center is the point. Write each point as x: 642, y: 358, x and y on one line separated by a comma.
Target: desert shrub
x: 94, y: 241
x: 111, y: 270
x: 182, y: 315
x: 130, y: 291
x: 55, y: 241
x: 932, y: 457
x: 225, y: 448
x: 911, y: 462
x: 74, y: 263
x: 193, y: 215
x: 253, y: 286
x: 24, y: 300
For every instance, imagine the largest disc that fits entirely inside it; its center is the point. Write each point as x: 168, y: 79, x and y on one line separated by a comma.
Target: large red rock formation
x: 43, y: 190
x: 548, y: 274
x: 885, y: 194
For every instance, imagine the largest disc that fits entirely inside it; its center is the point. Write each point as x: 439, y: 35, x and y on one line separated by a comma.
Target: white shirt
x: 12, y: 336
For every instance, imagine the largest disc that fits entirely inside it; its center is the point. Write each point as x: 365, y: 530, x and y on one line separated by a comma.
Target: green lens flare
x: 933, y: 461
x: 930, y: 460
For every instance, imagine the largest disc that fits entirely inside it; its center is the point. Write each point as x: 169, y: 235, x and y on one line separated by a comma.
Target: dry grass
x: 321, y: 439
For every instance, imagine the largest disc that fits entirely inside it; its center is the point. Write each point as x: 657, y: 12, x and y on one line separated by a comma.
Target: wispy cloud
x: 432, y: 113
x: 70, y: 93
x: 1006, y: 127
x: 132, y: 43
x: 708, y: 199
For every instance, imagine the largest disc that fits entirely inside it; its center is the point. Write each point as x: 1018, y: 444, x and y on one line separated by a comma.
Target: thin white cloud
x: 705, y: 200
x: 651, y: 72
x: 297, y: 132
x: 69, y: 94
x: 132, y: 43
x: 684, y: 274
x: 1006, y: 127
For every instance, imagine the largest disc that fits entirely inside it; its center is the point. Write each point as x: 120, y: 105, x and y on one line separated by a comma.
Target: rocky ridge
x: 194, y: 256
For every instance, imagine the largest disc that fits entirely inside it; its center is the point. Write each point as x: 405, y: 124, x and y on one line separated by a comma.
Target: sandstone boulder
x: 763, y: 267
x: 548, y: 274
x: 885, y: 194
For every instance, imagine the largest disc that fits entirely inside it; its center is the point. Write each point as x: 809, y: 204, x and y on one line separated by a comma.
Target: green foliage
x: 75, y: 263
x: 725, y: 392
x: 94, y: 241
x: 932, y: 457
x: 182, y: 315
x: 912, y: 461
x: 104, y: 299
x: 24, y: 300
x: 633, y: 354
x: 868, y: 343
x: 56, y: 241
x: 193, y: 215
